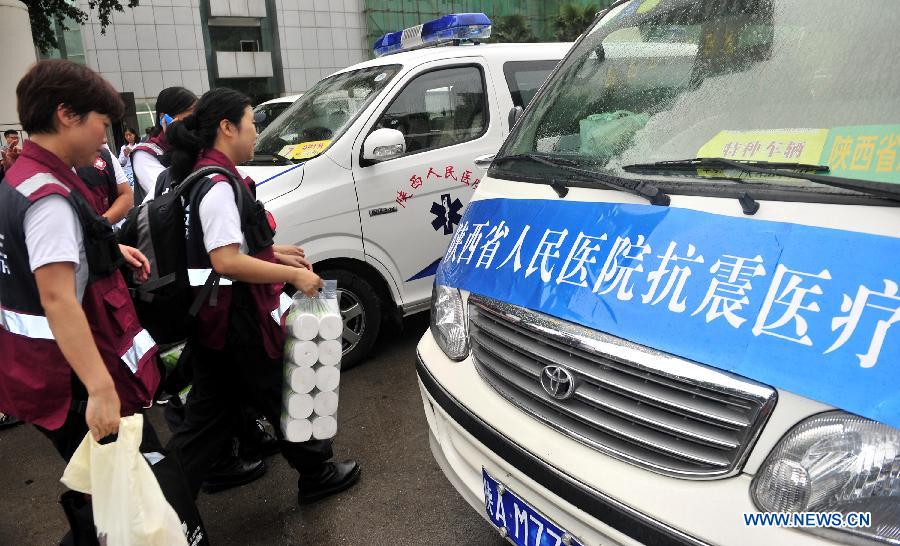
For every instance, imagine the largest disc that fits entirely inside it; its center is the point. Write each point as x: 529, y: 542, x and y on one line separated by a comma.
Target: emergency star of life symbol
x: 446, y: 214
x: 558, y: 382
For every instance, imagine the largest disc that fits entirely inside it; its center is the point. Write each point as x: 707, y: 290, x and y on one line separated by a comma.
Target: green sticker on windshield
x: 865, y: 152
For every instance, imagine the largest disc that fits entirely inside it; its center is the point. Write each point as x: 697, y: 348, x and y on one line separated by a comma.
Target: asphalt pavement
x: 403, y: 497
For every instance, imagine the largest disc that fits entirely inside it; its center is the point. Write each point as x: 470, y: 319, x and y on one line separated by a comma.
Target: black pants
x: 223, y: 381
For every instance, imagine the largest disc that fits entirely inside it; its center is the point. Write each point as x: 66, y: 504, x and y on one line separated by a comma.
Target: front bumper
x: 598, y: 499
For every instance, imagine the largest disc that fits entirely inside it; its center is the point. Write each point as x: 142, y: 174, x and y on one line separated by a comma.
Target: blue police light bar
x: 449, y: 28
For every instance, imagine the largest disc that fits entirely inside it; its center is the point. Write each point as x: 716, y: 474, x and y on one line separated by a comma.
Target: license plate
x: 519, y: 522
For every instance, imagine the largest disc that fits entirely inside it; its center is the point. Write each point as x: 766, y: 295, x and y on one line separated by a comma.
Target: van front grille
x: 671, y: 415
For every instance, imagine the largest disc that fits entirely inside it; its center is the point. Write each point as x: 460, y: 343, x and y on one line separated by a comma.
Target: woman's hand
x: 307, y: 282
x: 103, y: 412
x: 137, y: 261
x: 293, y: 260
x: 290, y: 250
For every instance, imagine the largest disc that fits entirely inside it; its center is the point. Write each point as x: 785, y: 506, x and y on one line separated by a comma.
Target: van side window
x: 438, y: 109
x: 524, y: 78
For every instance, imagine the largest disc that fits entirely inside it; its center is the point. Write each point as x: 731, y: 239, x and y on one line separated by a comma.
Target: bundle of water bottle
x: 312, y: 360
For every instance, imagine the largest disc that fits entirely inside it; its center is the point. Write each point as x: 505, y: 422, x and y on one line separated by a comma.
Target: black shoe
x: 8, y: 421
x: 334, y: 478
x: 256, y: 442
x: 232, y: 471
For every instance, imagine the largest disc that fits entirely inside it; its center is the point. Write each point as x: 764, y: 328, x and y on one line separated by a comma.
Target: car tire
x: 358, y: 299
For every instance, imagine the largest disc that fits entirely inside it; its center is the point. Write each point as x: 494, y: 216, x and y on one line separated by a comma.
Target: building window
x: 234, y: 38
x: 249, y: 45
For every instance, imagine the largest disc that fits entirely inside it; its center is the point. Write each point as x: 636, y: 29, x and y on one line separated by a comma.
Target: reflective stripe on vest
x: 156, y: 149
x: 33, y: 326
x: 140, y: 345
x: 284, y: 305
x: 37, y: 181
x: 197, y: 277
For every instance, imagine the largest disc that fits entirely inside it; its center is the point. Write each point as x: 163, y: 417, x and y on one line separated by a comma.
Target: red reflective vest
x: 35, y: 379
x: 212, y: 320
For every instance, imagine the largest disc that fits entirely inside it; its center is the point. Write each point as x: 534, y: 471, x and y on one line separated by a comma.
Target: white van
x: 370, y: 170
x: 671, y: 312
x: 265, y: 113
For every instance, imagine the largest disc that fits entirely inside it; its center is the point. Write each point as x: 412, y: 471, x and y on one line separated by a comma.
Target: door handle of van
x: 484, y: 161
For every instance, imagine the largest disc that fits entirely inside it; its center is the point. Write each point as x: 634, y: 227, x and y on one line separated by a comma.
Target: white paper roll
x: 303, y: 326
x: 330, y: 352
x: 331, y: 326
x: 300, y: 406
x: 302, y: 353
x: 324, y: 428
x: 301, y: 380
x: 328, y: 378
x: 297, y: 430
x: 325, y: 403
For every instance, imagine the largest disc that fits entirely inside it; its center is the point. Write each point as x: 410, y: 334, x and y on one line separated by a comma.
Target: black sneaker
x: 8, y: 421
x: 232, y: 471
x: 334, y: 478
x: 257, y: 442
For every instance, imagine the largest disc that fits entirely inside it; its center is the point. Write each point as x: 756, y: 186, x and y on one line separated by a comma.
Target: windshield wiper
x: 636, y: 187
x: 269, y: 159
x: 799, y: 171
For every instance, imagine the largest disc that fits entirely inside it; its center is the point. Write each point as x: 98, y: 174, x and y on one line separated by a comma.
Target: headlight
x: 836, y: 462
x: 448, y: 322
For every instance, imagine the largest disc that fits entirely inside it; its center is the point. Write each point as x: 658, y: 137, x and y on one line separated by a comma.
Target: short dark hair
x: 131, y: 130
x: 51, y: 83
x: 172, y: 101
x: 10, y: 132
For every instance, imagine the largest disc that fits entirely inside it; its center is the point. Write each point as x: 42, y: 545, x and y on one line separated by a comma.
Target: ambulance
x: 670, y: 313
x: 371, y: 169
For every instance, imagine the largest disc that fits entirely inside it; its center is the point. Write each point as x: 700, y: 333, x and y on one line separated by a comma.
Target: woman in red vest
x: 75, y: 358
x: 238, y: 339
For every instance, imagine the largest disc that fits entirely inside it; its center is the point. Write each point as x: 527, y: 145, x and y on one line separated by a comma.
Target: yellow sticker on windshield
x: 287, y: 150
x: 647, y: 5
x: 776, y: 145
x: 306, y: 150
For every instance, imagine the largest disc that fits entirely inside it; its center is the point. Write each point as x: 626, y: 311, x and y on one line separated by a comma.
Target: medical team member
x: 75, y: 359
x: 150, y: 158
x: 112, y: 196
x: 239, y: 346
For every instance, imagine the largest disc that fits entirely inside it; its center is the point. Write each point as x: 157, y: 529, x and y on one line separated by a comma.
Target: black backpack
x: 165, y: 303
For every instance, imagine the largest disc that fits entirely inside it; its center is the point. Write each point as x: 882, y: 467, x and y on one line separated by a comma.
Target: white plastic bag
x: 129, y: 506
x: 312, y: 366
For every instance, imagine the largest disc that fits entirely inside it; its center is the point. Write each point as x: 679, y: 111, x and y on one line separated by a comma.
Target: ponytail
x: 198, y: 131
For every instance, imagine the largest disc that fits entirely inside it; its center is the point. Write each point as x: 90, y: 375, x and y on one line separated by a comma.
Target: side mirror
x: 384, y: 144
x: 514, y: 114
x: 484, y: 161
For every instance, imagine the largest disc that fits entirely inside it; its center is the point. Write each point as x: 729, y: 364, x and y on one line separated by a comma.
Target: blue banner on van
x: 810, y: 310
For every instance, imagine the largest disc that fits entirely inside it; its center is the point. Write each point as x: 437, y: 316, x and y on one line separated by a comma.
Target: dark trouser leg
x: 263, y: 379
x: 208, y: 421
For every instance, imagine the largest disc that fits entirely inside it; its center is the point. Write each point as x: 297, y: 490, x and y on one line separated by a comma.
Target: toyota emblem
x: 558, y: 382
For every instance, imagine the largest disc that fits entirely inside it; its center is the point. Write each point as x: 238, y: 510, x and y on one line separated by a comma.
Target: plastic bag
x: 312, y: 359
x: 129, y: 506
x: 605, y: 135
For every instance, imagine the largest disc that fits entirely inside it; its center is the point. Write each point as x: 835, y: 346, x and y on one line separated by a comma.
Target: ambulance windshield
x: 308, y: 127
x: 800, y: 85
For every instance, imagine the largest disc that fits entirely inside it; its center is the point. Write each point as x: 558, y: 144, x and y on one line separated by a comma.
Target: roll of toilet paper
x: 302, y: 353
x: 302, y: 325
x: 330, y: 352
x: 301, y: 380
x: 300, y: 406
x: 324, y: 428
x: 327, y: 378
x: 297, y: 430
x: 325, y: 403
x: 331, y: 326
